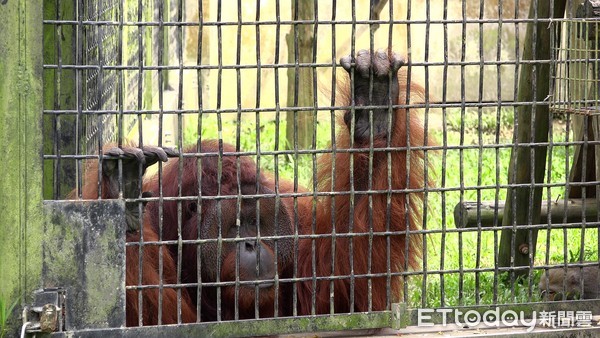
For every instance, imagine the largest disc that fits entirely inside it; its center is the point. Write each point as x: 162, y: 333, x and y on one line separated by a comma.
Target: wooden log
x: 474, y: 214
x: 301, y: 86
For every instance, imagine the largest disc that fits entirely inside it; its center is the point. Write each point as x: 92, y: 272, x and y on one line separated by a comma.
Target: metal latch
x: 47, y: 312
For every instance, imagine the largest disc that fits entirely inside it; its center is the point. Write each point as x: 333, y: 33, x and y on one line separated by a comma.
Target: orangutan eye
x: 192, y: 207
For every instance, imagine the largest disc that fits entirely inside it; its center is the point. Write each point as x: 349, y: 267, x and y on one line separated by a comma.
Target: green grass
x: 271, y: 137
x: 466, y: 170
x: 470, y: 175
x: 6, y: 308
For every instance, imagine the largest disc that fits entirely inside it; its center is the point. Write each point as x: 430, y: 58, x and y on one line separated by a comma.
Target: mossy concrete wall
x: 84, y: 253
x: 20, y: 150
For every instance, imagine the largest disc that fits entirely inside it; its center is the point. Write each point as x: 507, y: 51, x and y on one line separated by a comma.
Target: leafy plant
x: 5, y: 311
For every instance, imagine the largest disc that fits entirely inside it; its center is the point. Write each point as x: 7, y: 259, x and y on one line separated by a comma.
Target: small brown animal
x: 556, y: 285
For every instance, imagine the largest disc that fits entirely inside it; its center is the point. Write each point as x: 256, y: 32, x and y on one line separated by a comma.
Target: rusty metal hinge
x: 47, y: 312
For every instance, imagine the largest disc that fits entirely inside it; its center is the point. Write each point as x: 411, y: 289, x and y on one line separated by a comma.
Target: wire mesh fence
x: 298, y: 158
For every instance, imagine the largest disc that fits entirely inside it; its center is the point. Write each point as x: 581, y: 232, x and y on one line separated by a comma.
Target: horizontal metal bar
x: 369, y: 192
x: 372, y: 275
x: 245, y: 328
x: 91, y: 66
x: 426, y: 105
x: 382, y: 233
x: 361, y: 150
x: 296, y: 22
x: 379, y: 233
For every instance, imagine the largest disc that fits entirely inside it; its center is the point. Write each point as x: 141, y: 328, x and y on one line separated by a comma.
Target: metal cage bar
x: 279, y: 206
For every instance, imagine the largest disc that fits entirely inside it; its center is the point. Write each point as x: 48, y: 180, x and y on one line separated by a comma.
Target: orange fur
x: 151, y: 273
x: 400, y: 204
x: 403, y: 210
x: 151, y: 276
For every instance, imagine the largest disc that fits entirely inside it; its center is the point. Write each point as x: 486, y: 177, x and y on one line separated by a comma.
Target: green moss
x: 20, y: 133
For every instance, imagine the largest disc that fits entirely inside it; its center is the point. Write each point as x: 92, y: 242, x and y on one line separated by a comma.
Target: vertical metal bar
x: 258, y: 191
x: 99, y: 34
x: 258, y: 156
x: 276, y: 158
x: 180, y: 18
x: 351, y: 157
x: 294, y: 28
x: 314, y: 112
x: 461, y: 275
x: 219, y: 158
x: 426, y: 112
x: 513, y: 217
x: 332, y: 119
x: 388, y: 202
x: 584, y: 71
x: 78, y: 85
x: 161, y: 30
x: 370, y: 168
x: 258, y: 234
x: 238, y: 174
x: 534, y: 112
x: 57, y: 105
x: 276, y: 168
x: 407, y: 177
x: 199, y: 161
x: 140, y: 83
x: 497, y: 149
x: 574, y: 94
x: 553, y: 79
x: 93, y: 96
x: 444, y: 161
x: 479, y: 153
x: 120, y: 100
x: 569, y: 91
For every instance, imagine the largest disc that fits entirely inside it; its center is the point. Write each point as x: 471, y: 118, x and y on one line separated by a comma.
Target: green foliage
x: 459, y: 289
x: 5, y: 311
x: 485, y: 120
x: 471, y: 167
